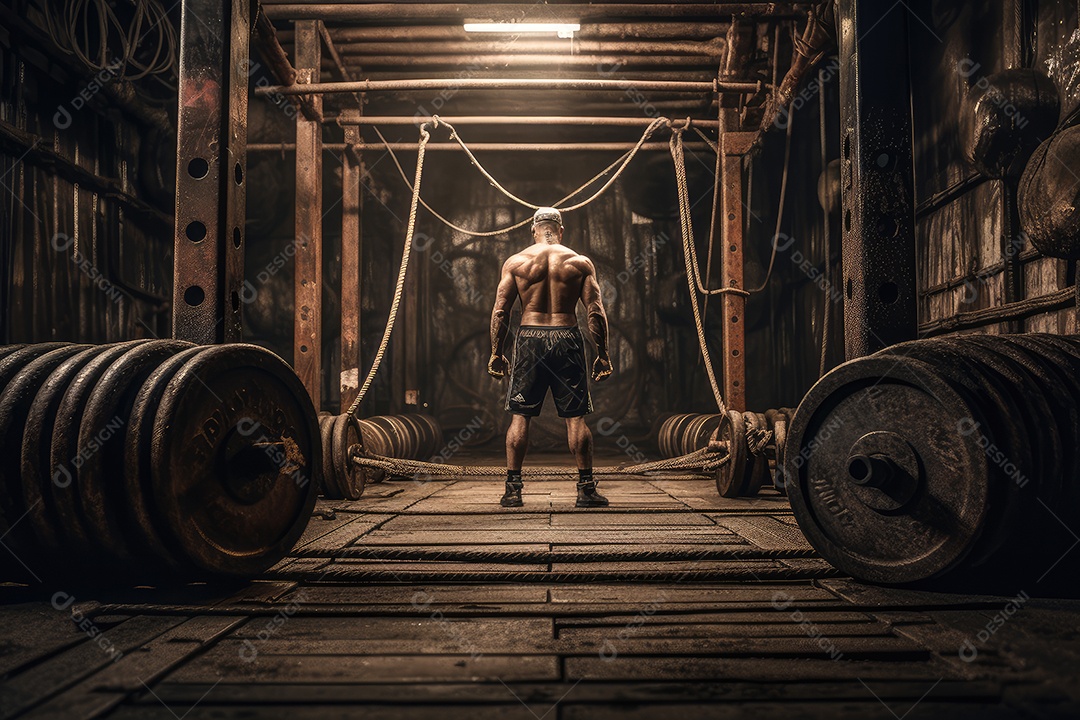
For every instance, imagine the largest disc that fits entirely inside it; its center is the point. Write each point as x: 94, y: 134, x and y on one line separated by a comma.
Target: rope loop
x: 693, y: 279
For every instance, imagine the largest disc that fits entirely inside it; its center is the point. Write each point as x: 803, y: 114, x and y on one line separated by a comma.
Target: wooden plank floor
x: 429, y: 600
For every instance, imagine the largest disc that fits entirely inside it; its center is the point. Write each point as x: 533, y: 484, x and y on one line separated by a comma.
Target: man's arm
x: 597, y: 319
x: 500, y: 321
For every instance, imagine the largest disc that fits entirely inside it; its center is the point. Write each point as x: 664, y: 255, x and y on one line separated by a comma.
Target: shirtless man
x: 549, y: 351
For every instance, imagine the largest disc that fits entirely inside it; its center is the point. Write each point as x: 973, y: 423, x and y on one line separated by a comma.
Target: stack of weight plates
x: 152, y: 459
x: 955, y: 456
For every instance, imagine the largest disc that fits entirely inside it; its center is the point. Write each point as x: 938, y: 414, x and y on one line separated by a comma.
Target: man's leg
x: 581, y: 444
x: 517, y: 443
x: 580, y: 439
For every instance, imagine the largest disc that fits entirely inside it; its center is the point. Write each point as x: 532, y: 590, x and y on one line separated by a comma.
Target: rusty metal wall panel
x: 75, y: 263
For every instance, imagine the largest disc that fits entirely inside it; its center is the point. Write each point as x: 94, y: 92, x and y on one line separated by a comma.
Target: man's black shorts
x: 549, y: 357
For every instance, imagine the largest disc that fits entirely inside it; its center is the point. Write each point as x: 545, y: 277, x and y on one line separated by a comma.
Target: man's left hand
x: 497, y: 366
x: 601, y: 369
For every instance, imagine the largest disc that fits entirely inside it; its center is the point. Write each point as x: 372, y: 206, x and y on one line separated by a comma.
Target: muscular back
x: 549, y: 280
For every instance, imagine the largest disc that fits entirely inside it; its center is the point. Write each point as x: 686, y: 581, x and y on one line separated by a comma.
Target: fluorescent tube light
x: 563, y: 30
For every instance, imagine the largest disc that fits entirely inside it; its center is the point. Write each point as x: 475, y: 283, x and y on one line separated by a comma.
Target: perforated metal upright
x: 208, y: 260
x: 878, y: 193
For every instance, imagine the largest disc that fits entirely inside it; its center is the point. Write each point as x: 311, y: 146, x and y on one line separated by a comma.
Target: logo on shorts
x: 518, y: 398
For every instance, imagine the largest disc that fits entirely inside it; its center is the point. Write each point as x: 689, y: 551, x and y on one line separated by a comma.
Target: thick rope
x: 345, y: 573
x: 426, y: 554
x: 473, y: 233
x: 622, y: 162
x: 656, y: 123
x: 488, y: 233
x: 399, y: 288
x: 679, y: 159
x: 699, y: 459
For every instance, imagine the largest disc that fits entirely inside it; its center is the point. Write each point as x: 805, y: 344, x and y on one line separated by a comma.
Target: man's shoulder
x: 580, y: 261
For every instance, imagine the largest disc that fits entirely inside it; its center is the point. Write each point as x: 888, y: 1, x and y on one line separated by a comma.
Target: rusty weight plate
x: 37, y: 473
x: 733, y: 475
x: 16, y: 398
x: 66, y: 456
x: 101, y: 441
x: 350, y: 477
x: 144, y: 519
x: 233, y: 459
x: 905, y: 404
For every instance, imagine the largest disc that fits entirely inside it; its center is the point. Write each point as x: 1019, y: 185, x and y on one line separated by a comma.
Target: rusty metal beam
x: 602, y: 63
x: 577, y: 12
x: 208, y: 269
x: 462, y: 120
x: 712, y: 48
x: 456, y: 84
x: 307, y: 323
x: 351, y: 263
x: 649, y: 31
x: 267, y: 41
x: 733, y: 306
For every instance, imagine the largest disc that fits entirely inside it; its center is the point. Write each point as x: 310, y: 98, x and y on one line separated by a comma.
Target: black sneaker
x: 588, y: 497
x: 512, y: 496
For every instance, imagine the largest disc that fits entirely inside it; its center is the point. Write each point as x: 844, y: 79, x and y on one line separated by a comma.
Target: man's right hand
x: 497, y: 366
x: 601, y: 369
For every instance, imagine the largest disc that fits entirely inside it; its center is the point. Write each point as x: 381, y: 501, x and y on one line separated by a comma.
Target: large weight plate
x: 1041, y: 393
x: 144, y: 519
x: 102, y: 428
x: 941, y: 522
x: 6, y: 350
x: 733, y: 475
x: 1001, y: 436
x: 374, y: 442
x: 13, y: 362
x: 66, y: 455
x: 328, y: 484
x: 15, y: 402
x: 233, y: 459
x: 350, y: 477
x: 37, y: 473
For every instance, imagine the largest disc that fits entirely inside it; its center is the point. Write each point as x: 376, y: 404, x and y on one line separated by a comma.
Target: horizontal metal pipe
x: 711, y: 48
x: 639, y: 122
x: 602, y: 63
x: 492, y: 147
x: 703, y: 74
x: 420, y: 34
x: 510, y: 84
x: 513, y: 11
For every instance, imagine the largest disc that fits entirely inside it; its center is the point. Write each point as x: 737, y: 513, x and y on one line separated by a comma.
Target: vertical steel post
x: 351, y: 264
x: 208, y: 258
x: 307, y: 327
x: 732, y: 305
x: 878, y: 193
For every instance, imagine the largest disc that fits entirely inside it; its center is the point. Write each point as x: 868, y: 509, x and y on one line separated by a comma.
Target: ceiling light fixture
x: 563, y: 30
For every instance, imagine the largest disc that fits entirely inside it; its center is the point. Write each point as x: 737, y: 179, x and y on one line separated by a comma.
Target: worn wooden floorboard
x: 552, y: 647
